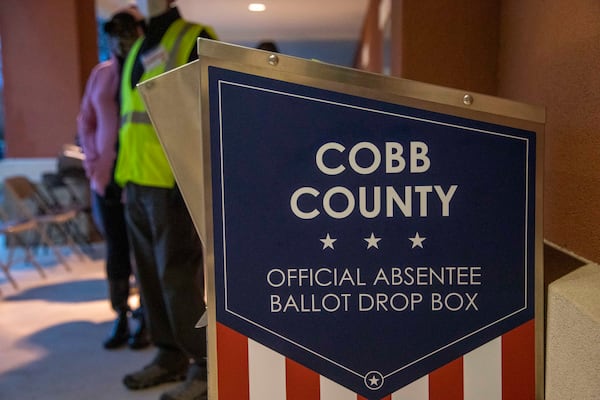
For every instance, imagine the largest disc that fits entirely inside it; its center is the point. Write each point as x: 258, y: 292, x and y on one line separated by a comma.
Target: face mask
x: 152, y: 8
x: 120, y: 46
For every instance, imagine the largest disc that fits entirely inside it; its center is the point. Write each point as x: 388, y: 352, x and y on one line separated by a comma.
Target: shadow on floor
x: 67, y: 292
x: 71, y: 364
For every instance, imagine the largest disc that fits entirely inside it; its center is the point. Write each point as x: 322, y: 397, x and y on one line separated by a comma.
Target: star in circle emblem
x: 374, y: 380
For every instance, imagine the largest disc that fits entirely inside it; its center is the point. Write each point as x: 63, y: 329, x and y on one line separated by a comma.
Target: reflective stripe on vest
x: 136, y: 117
x: 141, y: 159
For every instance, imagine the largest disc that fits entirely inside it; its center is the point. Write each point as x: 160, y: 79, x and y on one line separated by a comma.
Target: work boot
x: 118, y: 290
x: 166, y: 367
x: 141, y: 337
x: 119, y: 334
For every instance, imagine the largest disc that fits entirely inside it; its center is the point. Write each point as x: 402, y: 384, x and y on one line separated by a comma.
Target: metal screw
x: 467, y: 99
x: 273, y: 59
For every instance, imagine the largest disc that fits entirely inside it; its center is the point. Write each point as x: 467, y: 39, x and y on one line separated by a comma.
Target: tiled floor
x: 51, y: 332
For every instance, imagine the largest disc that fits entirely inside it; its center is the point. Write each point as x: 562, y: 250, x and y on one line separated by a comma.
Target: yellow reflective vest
x: 141, y: 159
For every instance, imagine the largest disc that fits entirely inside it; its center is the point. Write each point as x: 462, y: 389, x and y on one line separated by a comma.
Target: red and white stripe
x: 502, y: 369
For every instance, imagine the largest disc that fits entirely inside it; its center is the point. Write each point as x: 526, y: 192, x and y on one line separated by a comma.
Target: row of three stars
x: 372, y: 241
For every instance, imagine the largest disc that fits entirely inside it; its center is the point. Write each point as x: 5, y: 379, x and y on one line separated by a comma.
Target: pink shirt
x: 98, y: 123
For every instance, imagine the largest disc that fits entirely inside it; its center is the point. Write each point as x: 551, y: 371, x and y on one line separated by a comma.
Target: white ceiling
x: 282, y: 20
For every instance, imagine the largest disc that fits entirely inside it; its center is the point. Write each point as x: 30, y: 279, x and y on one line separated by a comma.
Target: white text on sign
x: 306, y: 202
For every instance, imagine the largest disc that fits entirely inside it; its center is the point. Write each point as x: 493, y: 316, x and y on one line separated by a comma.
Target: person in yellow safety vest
x: 167, y: 249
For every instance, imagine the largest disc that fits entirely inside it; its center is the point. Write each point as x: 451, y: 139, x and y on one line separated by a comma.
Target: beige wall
x: 48, y: 49
x: 550, y: 55
x: 451, y: 43
x: 544, y: 52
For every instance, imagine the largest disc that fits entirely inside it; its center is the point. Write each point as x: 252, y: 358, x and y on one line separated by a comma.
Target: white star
x: 417, y: 241
x: 372, y: 241
x: 373, y: 380
x: 327, y: 242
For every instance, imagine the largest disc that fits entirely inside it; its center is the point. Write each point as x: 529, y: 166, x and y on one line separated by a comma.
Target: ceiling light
x: 256, y: 7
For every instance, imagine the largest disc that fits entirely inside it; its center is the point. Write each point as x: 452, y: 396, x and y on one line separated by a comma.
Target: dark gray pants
x: 168, y: 254
x: 111, y: 213
x: 114, y: 229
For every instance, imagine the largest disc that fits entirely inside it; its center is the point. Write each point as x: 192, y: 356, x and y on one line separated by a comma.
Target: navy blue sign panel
x: 370, y: 242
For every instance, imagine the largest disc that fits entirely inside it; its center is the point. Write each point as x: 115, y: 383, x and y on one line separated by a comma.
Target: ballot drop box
x: 365, y: 237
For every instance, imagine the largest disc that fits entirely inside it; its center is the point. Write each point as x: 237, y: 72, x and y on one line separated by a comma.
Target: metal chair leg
x: 6, y: 271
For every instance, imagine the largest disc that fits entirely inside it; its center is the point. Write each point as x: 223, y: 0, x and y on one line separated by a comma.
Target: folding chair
x: 12, y: 231
x: 31, y: 205
x: 69, y: 188
x: 58, y: 193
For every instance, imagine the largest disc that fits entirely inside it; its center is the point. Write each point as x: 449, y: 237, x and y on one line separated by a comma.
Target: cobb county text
x: 306, y: 202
